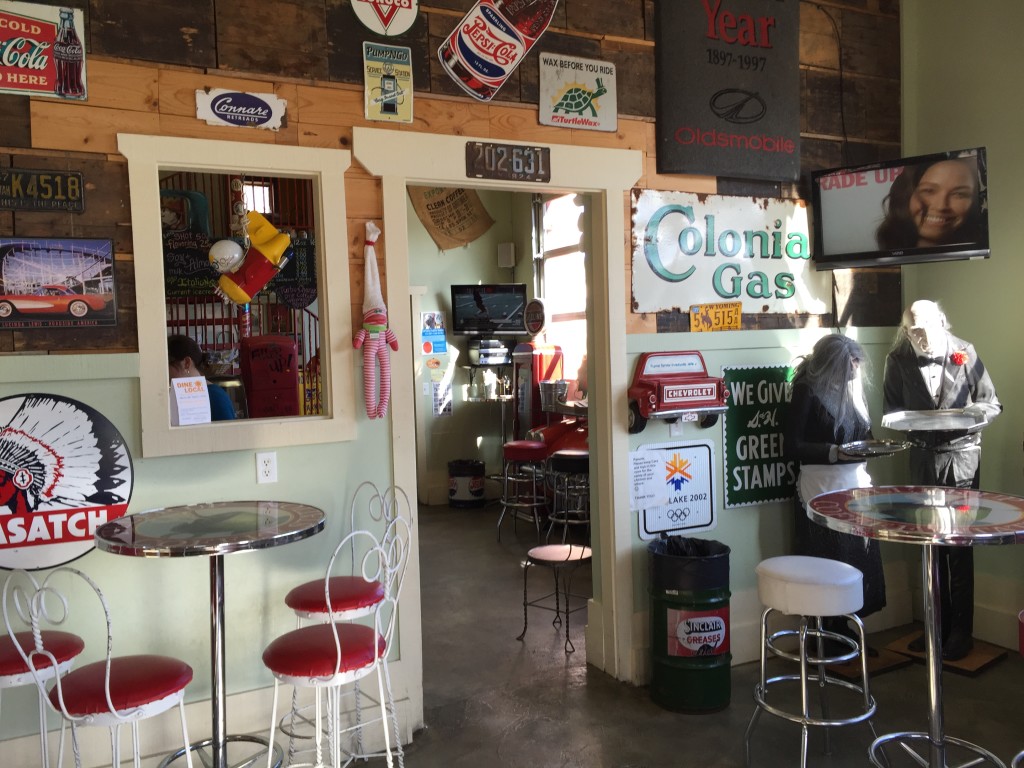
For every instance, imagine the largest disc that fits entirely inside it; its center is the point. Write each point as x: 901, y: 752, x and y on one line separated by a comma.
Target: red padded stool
x: 522, y: 482
x: 569, y: 474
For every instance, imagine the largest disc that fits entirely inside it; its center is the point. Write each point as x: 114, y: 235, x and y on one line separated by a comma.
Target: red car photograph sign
x: 54, y: 283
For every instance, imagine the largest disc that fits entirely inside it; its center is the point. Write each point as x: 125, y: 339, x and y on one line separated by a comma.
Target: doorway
x: 398, y: 159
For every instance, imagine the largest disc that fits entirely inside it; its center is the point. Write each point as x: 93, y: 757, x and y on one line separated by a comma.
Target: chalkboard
x: 187, y: 268
x: 295, y: 285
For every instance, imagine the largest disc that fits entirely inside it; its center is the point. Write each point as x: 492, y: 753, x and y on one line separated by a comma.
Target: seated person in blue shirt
x: 185, y: 358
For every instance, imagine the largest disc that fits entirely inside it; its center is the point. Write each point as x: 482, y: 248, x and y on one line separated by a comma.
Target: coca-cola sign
x: 41, y: 53
x: 219, y: 106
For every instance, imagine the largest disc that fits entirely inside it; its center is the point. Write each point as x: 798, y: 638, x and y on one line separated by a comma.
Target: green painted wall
x: 961, y: 83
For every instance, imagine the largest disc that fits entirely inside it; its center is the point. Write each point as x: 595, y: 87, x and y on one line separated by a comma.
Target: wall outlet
x: 266, y: 467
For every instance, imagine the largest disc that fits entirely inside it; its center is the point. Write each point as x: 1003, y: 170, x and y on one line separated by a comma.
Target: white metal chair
x: 110, y: 692
x: 351, y: 596
x: 15, y: 671
x: 332, y: 655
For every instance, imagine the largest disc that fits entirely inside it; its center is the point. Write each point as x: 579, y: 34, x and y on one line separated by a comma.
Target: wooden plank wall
x: 147, y: 58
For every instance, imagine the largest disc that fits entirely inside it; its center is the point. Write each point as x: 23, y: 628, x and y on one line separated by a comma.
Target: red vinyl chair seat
x: 524, y: 450
x: 348, y: 593
x: 310, y: 652
x: 134, y: 682
x: 63, y: 645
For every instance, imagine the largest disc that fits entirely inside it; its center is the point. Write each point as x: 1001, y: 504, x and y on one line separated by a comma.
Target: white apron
x: 822, y: 478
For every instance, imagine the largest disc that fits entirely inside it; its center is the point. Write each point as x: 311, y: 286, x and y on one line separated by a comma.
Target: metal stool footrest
x: 760, y: 695
x: 907, y: 739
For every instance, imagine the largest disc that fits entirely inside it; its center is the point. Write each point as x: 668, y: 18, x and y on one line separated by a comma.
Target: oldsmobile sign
x: 693, y: 249
x: 219, y: 106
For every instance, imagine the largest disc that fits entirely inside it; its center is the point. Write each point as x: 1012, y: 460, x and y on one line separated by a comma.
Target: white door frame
x: 400, y: 158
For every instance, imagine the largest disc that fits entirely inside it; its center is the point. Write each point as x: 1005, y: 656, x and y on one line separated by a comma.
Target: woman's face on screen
x: 942, y: 200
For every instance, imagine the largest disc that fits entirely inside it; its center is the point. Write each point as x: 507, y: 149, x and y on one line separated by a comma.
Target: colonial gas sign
x: 64, y: 471
x: 692, y: 249
x: 728, y: 88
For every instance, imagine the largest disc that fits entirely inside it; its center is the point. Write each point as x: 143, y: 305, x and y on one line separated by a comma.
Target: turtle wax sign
x: 386, y: 17
x: 219, y: 106
x: 728, y: 88
x: 692, y: 249
x: 577, y: 93
x: 41, y: 53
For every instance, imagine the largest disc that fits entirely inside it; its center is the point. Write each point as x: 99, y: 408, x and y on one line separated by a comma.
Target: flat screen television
x: 492, y: 309
x: 907, y: 211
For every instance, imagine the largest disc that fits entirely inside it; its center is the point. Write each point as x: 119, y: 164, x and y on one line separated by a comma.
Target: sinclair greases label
x: 698, y: 633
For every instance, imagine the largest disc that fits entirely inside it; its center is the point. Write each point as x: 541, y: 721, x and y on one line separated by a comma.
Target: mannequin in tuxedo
x: 928, y: 368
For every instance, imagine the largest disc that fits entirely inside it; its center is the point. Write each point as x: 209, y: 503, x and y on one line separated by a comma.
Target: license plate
x: 725, y: 316
x: 33, y: 190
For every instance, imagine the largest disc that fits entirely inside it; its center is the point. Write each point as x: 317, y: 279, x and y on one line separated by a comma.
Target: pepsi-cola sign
x: 253, y: 110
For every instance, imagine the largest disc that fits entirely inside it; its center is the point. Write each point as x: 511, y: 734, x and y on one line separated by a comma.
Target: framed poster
x: 755, y: 469
x: 56, y: 283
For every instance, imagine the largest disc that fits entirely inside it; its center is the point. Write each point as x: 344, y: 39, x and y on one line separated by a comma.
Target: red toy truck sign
x: 667, y: 385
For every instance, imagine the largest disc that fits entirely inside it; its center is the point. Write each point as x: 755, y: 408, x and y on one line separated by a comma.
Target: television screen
x: 907, y: 211
x: 494, y: 309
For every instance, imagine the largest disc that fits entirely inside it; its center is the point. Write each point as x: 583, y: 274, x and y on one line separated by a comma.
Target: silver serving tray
x: 867, y: 449
x: 948, y: 420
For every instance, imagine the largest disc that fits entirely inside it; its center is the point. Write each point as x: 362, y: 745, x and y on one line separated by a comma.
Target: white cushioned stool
x: 810, y: 588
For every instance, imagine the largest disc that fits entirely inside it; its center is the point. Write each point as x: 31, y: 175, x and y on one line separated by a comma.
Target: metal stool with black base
x: 811, y: 588
x: 522, y: 487
x: 569, y: 472
x: 563, y: 560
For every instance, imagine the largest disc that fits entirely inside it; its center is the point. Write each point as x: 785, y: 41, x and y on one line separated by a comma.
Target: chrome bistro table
x: 932, y: 517
x: 212, y: 530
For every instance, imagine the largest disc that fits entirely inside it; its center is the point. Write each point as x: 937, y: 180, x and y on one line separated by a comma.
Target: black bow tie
x: 923, y: 361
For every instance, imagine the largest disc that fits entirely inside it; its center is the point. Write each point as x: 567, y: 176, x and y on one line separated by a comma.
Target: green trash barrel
x: 690, y: 657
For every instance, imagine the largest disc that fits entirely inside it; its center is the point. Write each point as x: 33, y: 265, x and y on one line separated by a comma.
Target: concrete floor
x: 493, y: 701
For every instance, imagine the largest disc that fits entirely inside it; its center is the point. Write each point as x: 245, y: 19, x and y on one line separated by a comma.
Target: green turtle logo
x: 577, y: 99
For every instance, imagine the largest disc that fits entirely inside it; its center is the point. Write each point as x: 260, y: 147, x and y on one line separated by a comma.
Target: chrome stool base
x: 935, y: 755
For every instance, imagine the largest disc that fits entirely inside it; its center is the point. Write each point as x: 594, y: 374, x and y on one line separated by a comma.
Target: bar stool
x: 569, y: 472
x: 811, y: 588
x: 522, y: 486
x: 563, y: 560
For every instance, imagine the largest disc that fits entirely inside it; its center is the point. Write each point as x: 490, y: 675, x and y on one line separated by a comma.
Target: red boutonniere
x: 958, y: 358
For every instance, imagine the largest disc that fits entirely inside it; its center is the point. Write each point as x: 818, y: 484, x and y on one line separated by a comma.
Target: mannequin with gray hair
x: 828, y: 409
x: 928, y: 368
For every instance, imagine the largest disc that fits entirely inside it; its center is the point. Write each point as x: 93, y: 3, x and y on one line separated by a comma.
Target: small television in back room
x: 491, y: 309
x: 907, y: 211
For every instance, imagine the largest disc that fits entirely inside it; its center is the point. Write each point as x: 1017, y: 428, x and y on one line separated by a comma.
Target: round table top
x: 214, y: 528
x: 918, y: 514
